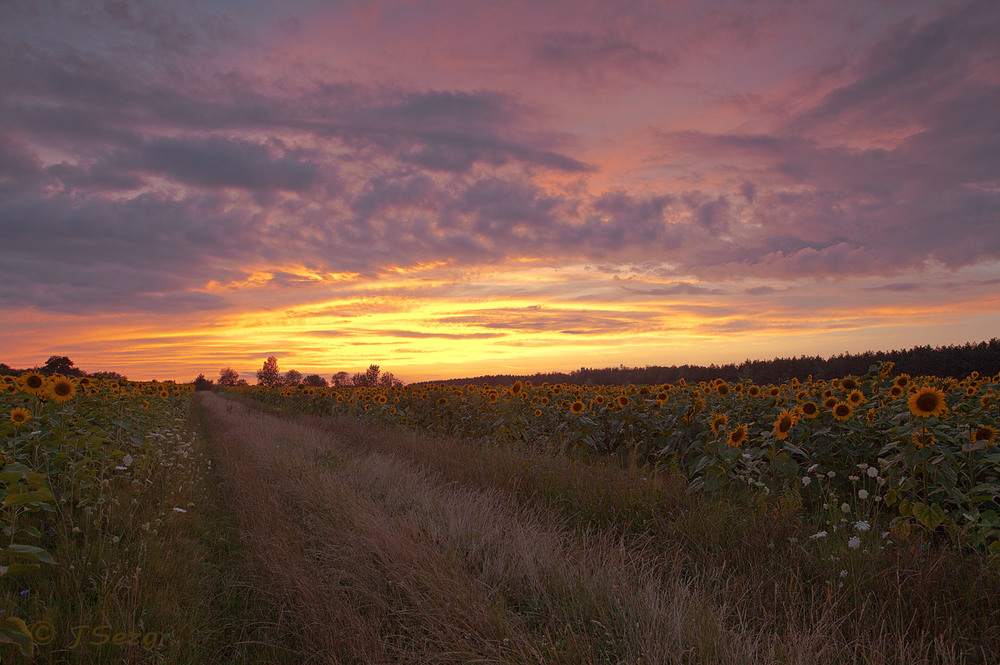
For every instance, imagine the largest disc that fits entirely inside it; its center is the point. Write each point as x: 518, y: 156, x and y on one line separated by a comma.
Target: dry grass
x: 379, y: 546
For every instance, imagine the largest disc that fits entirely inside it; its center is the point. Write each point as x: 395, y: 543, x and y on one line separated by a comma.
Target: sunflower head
x: 842, y: 411
x: 19, y: 416
x: 753, y: 391
x: 786, y: 420
x: 809, y: 409
x: 63, y: 389
x: 623, y: 401
x: 577, y: 407
x: 927, y: 402
x: 718, y: 421
x: 984, y: 433
x: 722, y: 388
x: 516, y: 388
x: 738, y: 436
x: 32, y: 382
x: 848, y: 383
x: 922, y: 439
x: 895, y: 391
x: 856, y: 397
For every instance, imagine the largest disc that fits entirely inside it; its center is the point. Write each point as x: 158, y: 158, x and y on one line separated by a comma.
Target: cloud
x: 595, y: 59
x: 538, y: 319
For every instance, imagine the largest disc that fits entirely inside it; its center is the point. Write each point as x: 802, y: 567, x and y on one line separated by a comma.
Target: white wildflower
x: 872, y: 472
x: 854, y: 543
x: 818, y: 534
x: 179, y: 510
x: 845, y: 507
x: 806, y: 480
x: 862, y: 526
x: 862, y: 494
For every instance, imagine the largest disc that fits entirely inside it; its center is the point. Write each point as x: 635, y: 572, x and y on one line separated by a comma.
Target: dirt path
x: 372, y: 559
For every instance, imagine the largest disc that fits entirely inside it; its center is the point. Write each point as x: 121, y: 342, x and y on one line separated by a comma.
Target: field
x: 852, y: 521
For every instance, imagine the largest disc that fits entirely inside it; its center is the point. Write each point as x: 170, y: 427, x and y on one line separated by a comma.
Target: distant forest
x: 945, y: 361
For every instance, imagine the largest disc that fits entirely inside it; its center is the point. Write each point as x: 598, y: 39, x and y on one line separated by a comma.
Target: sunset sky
x: 450, y: 189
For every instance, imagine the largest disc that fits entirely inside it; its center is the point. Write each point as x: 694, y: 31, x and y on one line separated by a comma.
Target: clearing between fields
x: 383, y: 546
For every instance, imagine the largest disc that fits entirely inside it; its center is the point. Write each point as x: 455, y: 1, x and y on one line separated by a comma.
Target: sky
x: 458, y: 188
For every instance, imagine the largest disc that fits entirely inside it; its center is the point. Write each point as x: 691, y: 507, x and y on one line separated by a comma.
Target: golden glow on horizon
x: 435, y: 321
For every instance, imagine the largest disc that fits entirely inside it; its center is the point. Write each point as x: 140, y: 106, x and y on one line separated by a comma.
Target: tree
x: 293, y: 377
x: 111, y: 376
x: 341, y: 379
x: 201, y: 383
x: 368, y: 379
x: 60, y: 365
x: 315, y: 380
x: 387, y: 380
x: 268, y: 375
x: 228, y: 377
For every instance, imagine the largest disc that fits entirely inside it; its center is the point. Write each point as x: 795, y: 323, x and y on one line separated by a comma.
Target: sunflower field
x: 896, y: 452
x: 71, y: 451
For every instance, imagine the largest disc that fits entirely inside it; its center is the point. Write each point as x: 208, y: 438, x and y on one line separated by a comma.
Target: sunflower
x: 442, y: 401
x: 830, y: 402
x: 809, y: 409
x: 718, y: 420
x: 786, y: 420
x: 856, y: 397
x: 922, y: 439
x: 623, y: 401
x: 903, y: 380
x: 971, y: 391
x: 661, y: 397
x: 722, y: 388
x: 577, y: 407
x: 848, y: 383
x: 753, y: 391
x: 32, y: 382
x: 985, y: 433
x: 926, y: 402
x: 19, y: 415
x: 63, y: 389
x: 598, y: 399
x: 538, y: 412
x: 516, y: 388
x: 737, y: 437
x: 842, y: 411
x: 895, y: 391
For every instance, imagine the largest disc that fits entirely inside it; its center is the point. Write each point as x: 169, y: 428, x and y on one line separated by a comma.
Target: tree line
x: 271, y: 376
x: 957, y: 361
